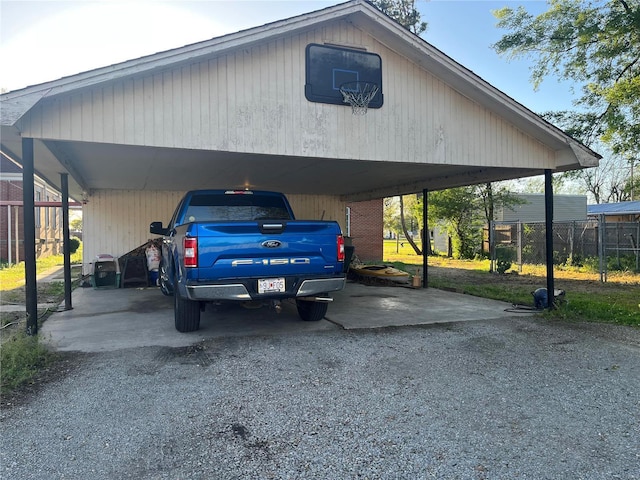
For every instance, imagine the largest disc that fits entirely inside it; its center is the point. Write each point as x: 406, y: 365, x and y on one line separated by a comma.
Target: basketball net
x: 358, y: 95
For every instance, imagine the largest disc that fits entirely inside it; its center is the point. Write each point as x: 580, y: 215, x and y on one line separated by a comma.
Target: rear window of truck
x: 216, y: 208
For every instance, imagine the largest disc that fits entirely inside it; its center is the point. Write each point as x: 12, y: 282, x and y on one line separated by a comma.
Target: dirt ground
x: 464, y: 276
x: 463, y: 272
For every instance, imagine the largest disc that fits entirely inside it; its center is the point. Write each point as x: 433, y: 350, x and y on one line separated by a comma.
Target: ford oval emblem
x: 272, y: 243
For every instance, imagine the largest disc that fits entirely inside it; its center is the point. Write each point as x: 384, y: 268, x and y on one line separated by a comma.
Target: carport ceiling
x: 107, y: 166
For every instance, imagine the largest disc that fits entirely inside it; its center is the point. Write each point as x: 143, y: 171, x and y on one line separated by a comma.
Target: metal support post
x: 548, y: 201
x: 66, y: 247
x: 31, y: 284
x: 426, y: 238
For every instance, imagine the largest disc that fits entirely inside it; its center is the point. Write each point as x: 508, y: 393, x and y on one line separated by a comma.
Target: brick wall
x: 366, y: 229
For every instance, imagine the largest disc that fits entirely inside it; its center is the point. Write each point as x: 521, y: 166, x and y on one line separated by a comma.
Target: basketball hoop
x: 358, y: 95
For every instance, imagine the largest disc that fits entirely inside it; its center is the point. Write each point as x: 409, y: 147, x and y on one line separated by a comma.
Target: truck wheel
x: 311, y: 311
x: 186, y: 313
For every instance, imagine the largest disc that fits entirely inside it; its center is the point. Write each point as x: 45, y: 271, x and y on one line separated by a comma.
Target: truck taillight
x: 340, y: 248
x: 190, y: 252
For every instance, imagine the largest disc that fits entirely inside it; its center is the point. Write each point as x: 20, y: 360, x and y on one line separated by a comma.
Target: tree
x: 76, y: 224
x: 494, y: 195
x: 460, y: 211
x: 403, y: 221
x: 391, y: 215
x: 595, y: 43
x: 605, y: 183
x: 631, y: 189
x: 399, y: 214
x: 404, y: 12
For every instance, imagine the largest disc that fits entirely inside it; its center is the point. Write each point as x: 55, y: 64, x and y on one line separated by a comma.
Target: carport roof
x: 358, y: 180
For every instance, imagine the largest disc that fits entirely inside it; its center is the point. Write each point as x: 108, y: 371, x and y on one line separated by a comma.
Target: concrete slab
x: 113, y: 319
x: 363, y: 306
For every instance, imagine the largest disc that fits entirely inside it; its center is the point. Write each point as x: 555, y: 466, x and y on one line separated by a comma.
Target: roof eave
x: 16, y: 103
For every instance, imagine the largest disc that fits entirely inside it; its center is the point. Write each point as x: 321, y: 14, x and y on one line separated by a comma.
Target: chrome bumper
x: 239, y: 292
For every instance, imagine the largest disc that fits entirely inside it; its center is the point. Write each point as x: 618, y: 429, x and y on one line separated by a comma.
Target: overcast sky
x: 46, y: 40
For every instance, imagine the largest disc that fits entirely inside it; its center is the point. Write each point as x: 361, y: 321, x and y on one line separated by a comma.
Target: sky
x: 45, y: 40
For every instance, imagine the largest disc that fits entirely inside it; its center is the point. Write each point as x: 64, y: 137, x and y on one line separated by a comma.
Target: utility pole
x: 632, y: 161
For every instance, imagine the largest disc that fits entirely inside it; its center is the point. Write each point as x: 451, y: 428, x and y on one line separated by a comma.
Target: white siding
x: 117, y: 221
x: 252, y: 100
x: 318, y: 207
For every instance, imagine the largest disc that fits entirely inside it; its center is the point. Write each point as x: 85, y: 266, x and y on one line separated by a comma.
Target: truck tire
x: 311, y: 311
x: 186, y: 313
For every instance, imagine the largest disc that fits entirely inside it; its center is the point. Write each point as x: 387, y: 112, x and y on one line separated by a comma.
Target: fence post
x: 602, y: 247
x: 570, y: 235
x: 637, y: 248
x: 492, y: 248
x: 519, y: 230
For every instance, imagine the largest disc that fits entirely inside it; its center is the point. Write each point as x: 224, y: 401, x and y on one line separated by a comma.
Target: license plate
x: 271, y: 285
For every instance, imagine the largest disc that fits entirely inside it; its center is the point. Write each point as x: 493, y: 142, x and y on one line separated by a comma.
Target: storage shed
x: 566, y: 208
x: 616, y: 212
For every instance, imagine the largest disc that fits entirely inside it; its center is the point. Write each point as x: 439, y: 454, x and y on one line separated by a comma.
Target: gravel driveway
x: 521, y: 398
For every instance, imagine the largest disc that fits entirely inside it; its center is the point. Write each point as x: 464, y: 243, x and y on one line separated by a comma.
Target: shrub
x: 74, y: 244
x: 502, y: 266
x: 21, y: 356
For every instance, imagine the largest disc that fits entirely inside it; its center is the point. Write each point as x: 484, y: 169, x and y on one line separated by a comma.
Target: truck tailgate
x: 261, y: 249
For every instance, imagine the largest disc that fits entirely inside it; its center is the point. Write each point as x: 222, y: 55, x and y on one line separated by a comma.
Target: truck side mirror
x: 158, y: 229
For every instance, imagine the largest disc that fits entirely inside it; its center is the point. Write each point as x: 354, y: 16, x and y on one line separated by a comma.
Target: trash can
x: 106, y: 272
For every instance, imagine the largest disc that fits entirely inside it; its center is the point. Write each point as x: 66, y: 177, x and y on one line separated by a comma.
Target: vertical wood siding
x: 252, y: 100
x: 117, y: 221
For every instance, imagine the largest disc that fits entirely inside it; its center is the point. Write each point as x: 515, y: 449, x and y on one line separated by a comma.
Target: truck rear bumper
x: 240, y: 292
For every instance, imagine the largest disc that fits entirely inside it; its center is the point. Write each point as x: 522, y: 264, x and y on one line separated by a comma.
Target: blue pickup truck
x: 246, y: 246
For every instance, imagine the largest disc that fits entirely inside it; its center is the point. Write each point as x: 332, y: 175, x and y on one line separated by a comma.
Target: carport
x: 234, y: 112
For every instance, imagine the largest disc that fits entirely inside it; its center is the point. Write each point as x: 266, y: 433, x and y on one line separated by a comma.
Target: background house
x: 565, y: 208
x: 48, y: 217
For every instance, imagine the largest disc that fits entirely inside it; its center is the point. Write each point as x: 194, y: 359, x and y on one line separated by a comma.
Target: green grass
x: 12, y: 277
x: 617, y: 301
x: 607, y: 308
x: 513, y: 295
x: 23, y: 356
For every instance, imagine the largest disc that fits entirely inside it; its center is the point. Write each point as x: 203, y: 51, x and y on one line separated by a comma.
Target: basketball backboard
x: 328, y: 67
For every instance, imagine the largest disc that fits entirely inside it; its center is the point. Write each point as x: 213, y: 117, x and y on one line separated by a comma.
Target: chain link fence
x: 600, y: 245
